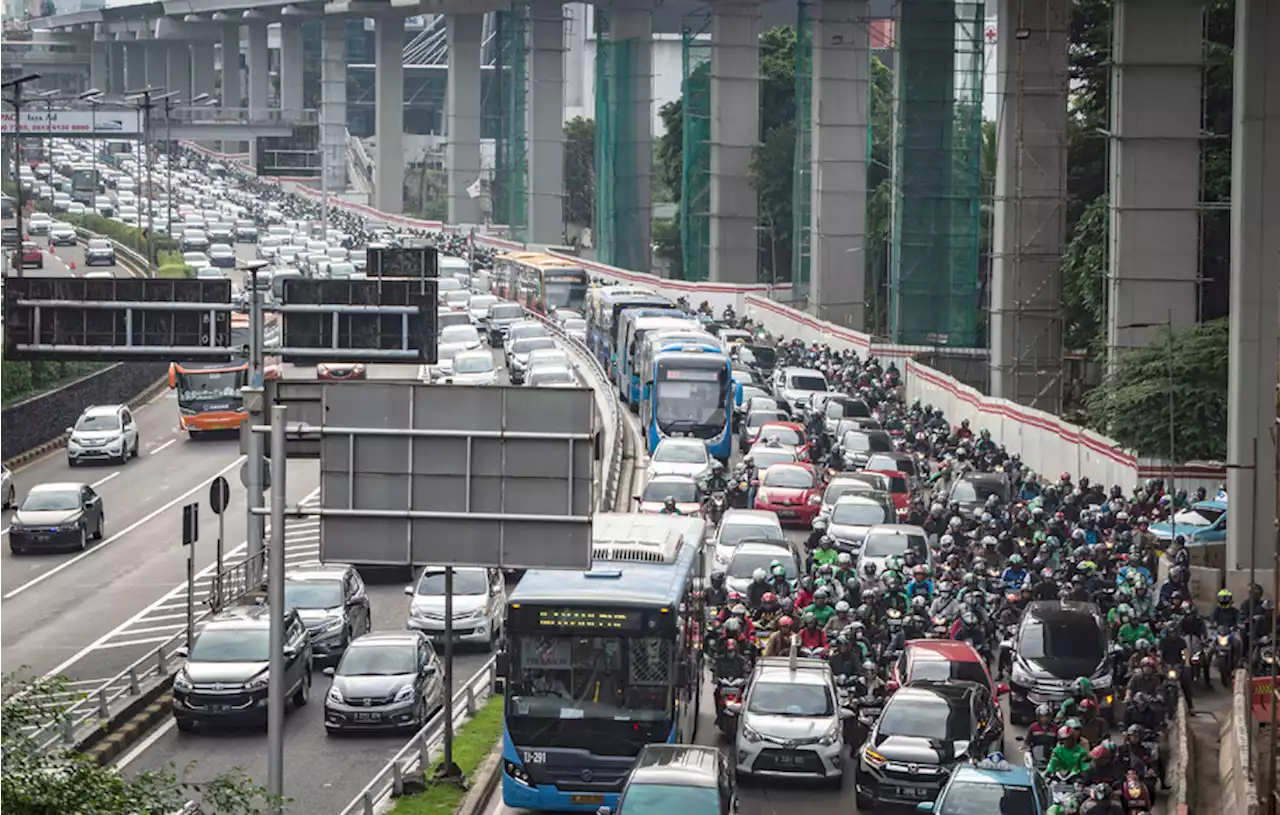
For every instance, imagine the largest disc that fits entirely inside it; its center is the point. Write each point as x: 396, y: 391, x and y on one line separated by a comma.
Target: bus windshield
x: 691, y: 400
x: 566, y: 290
x: 580, y: 677
x: 210, y: 386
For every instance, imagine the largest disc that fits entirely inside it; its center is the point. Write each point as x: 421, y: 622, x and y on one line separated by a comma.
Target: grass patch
x: 471, y: 744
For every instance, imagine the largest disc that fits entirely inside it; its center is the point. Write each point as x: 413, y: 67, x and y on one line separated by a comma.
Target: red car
x: 340, y: 370
x: 942, y: 661
x: 788, y: 434
x: 899, y: 488
x: 30, y: 255
x: 792, y: 491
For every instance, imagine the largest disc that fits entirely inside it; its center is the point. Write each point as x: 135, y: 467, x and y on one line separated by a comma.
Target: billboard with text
x: 103, y: 123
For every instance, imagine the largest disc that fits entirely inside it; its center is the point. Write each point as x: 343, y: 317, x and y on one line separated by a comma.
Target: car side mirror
x: 603, y: 811
x: 408, y: 590
x: 502, y: 664
x: 925, y: 806
x: 68, y: 430
x: 329, y: 671
x: 181, y: 652
x: 290, y: 652
x: 846, y: 713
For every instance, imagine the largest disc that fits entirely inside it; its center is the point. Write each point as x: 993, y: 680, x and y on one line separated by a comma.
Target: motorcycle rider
x: 1227, y: 615
x: 843, y: 619
x: 1146, y: 681
x: 715, y: 481
x: 779, y: 584
x: 946, y: 604
x: 669, y: 507
x: 969, y: 627
x: 920, y: 584
x: 1178, y: 583
x: 779, y: 642
x: 729, y: 662
x: 811, y: 633
x: 770, y: 611
x: 716, y: 595
x: 1101, y: 802
x: 1144, y: 607
x: 845, y: 660
x: 816, y: 535
x: 758, y: 588
x: 1015, y: 574
x: 1133, y: 753
x: 824, y: 555
x: 1081, y: 690
x: 1069, y: 756
x: 1132, y: 629
x: 821, y: 610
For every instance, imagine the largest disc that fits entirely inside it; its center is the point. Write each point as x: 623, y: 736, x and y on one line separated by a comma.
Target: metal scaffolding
x: 695, y: 182
x: 620, y: 236
x: 933, y: 287
x: 506, y: 108
x: 802, y: 172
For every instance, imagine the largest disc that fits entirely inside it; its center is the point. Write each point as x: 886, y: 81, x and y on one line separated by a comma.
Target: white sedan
x: 678, y: 456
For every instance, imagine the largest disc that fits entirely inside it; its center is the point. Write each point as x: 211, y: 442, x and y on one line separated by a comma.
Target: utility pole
x: 15, y: 102
x: 275, y: 604
x: 47, y: 97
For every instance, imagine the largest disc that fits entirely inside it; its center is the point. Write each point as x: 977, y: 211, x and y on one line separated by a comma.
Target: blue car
x: 992, y: 786
x: 1202, y: 522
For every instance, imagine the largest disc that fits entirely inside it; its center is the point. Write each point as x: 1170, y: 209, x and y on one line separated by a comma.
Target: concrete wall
x: 44, y: 418
x: 1182, y: 765
x: 1239, y: 793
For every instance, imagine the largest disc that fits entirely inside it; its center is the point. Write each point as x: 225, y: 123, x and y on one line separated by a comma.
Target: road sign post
x: 448, y: 770
x: 219, y: 496
x: 190, y: 533
x: 275, y: 600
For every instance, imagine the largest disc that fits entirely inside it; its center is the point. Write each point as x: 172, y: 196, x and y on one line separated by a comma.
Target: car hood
x: 788, y: 728
x: 46, y: 517
x: 791, y: 494
x: 920, y: 751
x: 1062, y: 668
x: 488, y: 377
x: 236, y: 673
x: 463, y: 604
x: 675, y: 468
x: 849, y: 532
x: 357, y: 686
x: 655, y: 507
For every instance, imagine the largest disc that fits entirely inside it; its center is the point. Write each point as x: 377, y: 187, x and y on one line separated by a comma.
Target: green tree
x: 1176, y: 381
x: 65, y: 781
x: 580, y: 171
x: 668, y: 172
x: 772, y: 161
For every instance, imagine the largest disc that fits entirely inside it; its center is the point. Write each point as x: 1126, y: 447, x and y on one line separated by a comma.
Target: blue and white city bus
x: 600, y: 663
x: 624, y: 315
x: 654, y: 342
x: 604, y: 308
x: 692, y: 396
x: 632, y: 335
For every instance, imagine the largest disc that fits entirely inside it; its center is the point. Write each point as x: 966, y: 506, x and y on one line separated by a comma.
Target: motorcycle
x: 1134, y: 795
x: 1039, y: 747
x: 869, y: 708
x: 728, y: 693
x: 716, y: 505
x: 1201, y: 657
x: 1224, y: 654
x: 941, y: 629
x: 1064, y: 785
x: 1172, y: 686
x: 1263, y: 657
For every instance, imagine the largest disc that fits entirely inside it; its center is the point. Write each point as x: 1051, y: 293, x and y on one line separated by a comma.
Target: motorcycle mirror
x: 846, y: 713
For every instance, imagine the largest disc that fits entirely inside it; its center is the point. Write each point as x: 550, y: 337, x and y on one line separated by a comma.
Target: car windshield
x: 530, y: 344
x: 482, y: 302
x: 575, y: 325
x: 312, y: 593
x: 759, y: 417
x: 745, y: 563
x: 505, y: 311
x: 1198, y: 516
x: 231, y: 645
x: 837, y: 491
x: 95, y: 244
x: 731, y: 534
x: 100, y: 421
x: 790, y: 699
x: 796, y: 478
x: 472, y: 364
x: 885, y: 545
x: 858, y: 513
x: 685, y: 492
x: 945, y: 670
x: 558, y: 678
x: 685, y: 800
x: 1077, y: 638
x: 968, y: 798
x: 550, y: 376
x: 865, y: 443
x: 465, y: 581
x: 765, y: 457
x: 972, y: 492
x: 378, y: 660
x: 807, y: 382
x: 42, y: 500
x: 669, y: 453
x: 459, y: 333
x: 784, y: 434
x: 923, y: 718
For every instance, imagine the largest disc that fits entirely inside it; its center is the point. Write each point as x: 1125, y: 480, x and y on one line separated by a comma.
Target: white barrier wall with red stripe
x: 1048, y: 444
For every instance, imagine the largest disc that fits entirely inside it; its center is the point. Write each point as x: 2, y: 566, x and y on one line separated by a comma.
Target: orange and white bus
x: 210, y: 393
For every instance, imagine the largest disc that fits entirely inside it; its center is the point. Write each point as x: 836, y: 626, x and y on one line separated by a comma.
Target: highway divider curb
x: 484, y: 783
x: 1181, y: 767
x: 129, y: 726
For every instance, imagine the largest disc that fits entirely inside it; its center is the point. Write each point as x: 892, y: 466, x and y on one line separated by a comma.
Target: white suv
x: 791, y: 721
x: 103, y: 432
x: 479, y: 604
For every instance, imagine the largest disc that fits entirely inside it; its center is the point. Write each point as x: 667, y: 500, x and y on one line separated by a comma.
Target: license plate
x: 786, y: 513
x: 786, y: 759
x: 912, y: 792
x: 218, y: 708
x: 367, y: 717
x: 588, y: 799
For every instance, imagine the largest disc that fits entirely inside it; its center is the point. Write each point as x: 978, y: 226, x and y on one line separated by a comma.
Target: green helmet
x: 1082, y: 686
x: 1015, y: 560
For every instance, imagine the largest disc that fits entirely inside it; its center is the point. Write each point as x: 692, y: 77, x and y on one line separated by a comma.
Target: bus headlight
x: 517, y: 773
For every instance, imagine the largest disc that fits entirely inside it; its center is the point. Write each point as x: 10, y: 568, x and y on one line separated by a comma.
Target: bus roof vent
x: 603, y: 574
x: 635, y: 538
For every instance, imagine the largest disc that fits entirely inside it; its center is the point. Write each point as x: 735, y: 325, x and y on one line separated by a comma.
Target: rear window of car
x: 940, y: 670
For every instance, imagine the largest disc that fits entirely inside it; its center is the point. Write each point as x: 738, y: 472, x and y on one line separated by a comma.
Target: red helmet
x: 1100, y: 753
x: 769, y: 598
x: 1148, y: 662
x: 785, y: 622
x: 731, y: 644
x: 1089, y: 704
x: 1066, y: 476
x: 1064, y: 732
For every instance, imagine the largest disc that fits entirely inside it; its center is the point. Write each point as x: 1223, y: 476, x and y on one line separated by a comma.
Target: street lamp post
x: 146, y: 99
x: 94, y: 97
x: 1167, y: 324
x: 16, y: 102
x: 48, y: 96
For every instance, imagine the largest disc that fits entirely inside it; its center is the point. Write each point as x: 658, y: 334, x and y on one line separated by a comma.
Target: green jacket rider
x: 1130, y: 633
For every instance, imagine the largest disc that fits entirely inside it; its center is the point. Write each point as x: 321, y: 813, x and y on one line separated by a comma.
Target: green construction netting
x: 695, y: 182
x: 933, y: 286
x: 620, y: 235
x: 801, y: 183
x: 509, y: 100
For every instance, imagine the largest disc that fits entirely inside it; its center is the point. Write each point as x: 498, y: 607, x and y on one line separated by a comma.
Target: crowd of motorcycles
x: 1060, y: 538
x: 1057, y: 539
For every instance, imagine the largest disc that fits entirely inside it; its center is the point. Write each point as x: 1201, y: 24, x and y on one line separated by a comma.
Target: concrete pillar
x: 115, y: 69
x: 1155, y: 168
x: 462, y: 128
x: 735, y: 131
x: 388, y: 182
x: 632, y: 22
x: 232, y: 85
x: 546, y: 122
x: 333, y: 101
x: 135, y: 66
x: 1029, y: 233
x: 1255, y: 275
x: 157, y: 61
x: 838, y: 195
x: 98, y: 65
x: 259, y: 69
x: 291, y: 67
x: 179, y: 70
x: 203, y: 79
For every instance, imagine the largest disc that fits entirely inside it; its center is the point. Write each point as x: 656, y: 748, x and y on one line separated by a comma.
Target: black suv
x: 331, y: 599
x: 925, y: 730
x: 971, y: 491
x: 690, y: 779
x: 224, y: 679
x: 1057, y: 643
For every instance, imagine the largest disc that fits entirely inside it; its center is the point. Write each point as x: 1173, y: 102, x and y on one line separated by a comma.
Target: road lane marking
x: 161, y: 447
x: 145, y: 641
x: 66, y: 564
x: 104, y: 480
x: 145, y: 744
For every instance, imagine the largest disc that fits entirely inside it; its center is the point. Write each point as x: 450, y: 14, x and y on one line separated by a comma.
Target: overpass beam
x: 462, y: 98
x: 291, y: 67
x: 838, y: 196
x: 546, y: 122
x: 1154, y: 253
x: 388, y: 80
x: 98, y: 64
x: 1255, y: 275
x: 115, y: 68
x: 1030, y: 203
x: 333, y: 101
x: 735, y: 131
x: 179, y: 72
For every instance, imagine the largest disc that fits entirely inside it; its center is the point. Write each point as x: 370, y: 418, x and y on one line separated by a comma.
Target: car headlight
x: 181, y: 681
x: 259, y: 681
x: 749, y: 734
x: 476, y: 614
x: 417, y: 611
x: 1020, y: 675
x: 331, y: 624
x: 1102, y: 682
x: 832, y: 735
x: 334, y: 695
x: 188, y: 411
x: 404, y: 693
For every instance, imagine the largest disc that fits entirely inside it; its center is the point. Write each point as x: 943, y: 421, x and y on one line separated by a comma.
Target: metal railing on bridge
x: 225, y: 115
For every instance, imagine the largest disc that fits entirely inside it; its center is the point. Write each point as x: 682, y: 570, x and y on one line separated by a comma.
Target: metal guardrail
x: 237, y: 580
x: 71, y: 725
x: 415, y: 757
x: 221, y: 115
